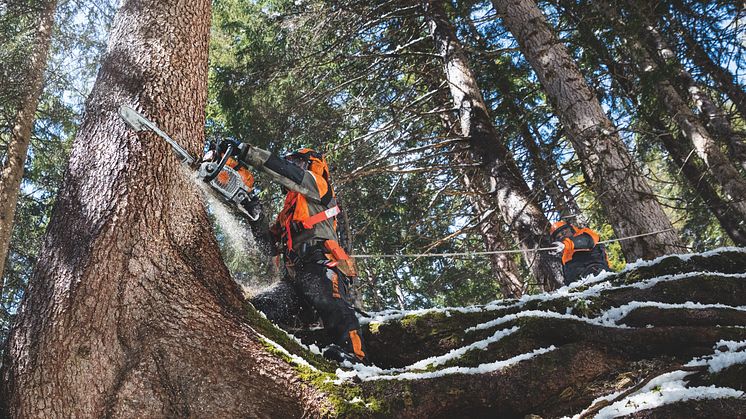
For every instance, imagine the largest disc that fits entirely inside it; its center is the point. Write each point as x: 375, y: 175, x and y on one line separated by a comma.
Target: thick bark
x: 523, y: 216
x: 131, y: 311
x: 724, y: 80
x: 607, y: 165
x: 504, y: 269
x: 717, y: 123
x: 11, y: 171
x: 705, y: 146
x: 700, y: 181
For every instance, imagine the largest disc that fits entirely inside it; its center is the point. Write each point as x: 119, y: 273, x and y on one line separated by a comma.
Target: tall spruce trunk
x: 627, y: 199
x: 701, y: 182
x: 523, y: 216
x: 722, y: 169
x: 691, y: 166
x: 724, y: 80
x: 130, y: 311
x: 548, y: 180
x: 11, y: 172
x: 715, y: 120
x: 504, y: 269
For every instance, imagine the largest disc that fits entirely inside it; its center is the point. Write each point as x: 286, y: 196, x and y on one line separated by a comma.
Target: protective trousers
x: 327, y: 290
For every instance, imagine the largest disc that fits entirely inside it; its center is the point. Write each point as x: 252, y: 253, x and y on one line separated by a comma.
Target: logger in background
x: 582, y: 255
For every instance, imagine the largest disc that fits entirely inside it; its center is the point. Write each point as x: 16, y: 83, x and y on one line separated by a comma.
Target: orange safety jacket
x: 296, y: 210
x: 578, y: 243
x: 318, y: 218
x: 583, y: 254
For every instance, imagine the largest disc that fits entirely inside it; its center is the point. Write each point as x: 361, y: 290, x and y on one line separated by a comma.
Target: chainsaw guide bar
x: 140, y: 123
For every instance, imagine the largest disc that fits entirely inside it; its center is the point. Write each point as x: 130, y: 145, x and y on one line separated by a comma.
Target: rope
x: 495, y: 252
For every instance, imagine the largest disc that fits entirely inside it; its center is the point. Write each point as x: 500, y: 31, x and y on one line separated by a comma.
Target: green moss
x: 588, y: 307
x: 428, y: 322
x: 374, y: 327
x: 339, y: 395
x: 322, y: 378
x: 270, y: 331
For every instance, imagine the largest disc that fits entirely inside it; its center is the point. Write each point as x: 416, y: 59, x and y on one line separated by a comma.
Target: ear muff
x: 316, y: 161
x: 319, y: 167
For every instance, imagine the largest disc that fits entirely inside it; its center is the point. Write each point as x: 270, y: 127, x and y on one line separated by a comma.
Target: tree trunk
x: 130, y: 311
x: 523, y: 216
x: 705, y: 146
x: 504, y: 269
x: 715, y: 119
x: 11, y: 171
x: 724, y: 80
x: 627, y: 199
x: 700, y: 181
x: 547, y: 180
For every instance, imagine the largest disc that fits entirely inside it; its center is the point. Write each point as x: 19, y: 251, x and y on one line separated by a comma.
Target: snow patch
x: 373, y: 373
x: 662, y: 390
x: 388, y: 315
x: 537, y: 313
x: 456, y: 353
x: 614, y: 315
x: 734, y: 353
x: 672, y: 387
x: 314, y: 349
x: 295, y: 358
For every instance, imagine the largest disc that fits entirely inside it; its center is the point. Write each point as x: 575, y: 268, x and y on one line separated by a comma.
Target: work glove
x: 559, y: 247
x: 242, y: 151
x: 254, y: 207
x: 227, y: 143
x: 209, y: 156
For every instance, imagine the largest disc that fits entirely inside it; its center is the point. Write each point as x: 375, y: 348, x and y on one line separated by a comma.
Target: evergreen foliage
x: 360, y: 82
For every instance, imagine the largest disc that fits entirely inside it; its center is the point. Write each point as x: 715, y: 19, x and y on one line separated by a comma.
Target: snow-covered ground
x: 669, y: 387
x: 672, y: 387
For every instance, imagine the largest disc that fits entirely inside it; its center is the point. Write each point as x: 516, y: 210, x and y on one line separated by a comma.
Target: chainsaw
x: 226, y: 181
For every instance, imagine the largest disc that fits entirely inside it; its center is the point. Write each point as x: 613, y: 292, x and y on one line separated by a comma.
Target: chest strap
x: 322, y: 216
x: 309, y: 222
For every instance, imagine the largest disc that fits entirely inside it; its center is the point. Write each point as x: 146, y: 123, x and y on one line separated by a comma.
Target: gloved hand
x: 242, y: 150
x: 252, y: 206
x: 559, y: 248
x: 227, y: 143
x: 209, y: 156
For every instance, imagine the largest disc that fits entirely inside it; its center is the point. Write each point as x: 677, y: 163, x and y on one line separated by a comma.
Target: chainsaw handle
x: 212, y: 175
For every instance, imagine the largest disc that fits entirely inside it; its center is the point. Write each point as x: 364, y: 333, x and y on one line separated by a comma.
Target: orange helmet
x: 314, y: 160
x: 560, y: 226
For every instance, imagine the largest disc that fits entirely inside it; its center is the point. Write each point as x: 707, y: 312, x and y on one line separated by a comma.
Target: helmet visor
x: 562, y: 232
x: 297, y: 160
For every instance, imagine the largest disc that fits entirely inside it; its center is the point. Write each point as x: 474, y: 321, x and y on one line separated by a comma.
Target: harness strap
x: 288, y: 219
x: 321, y: 216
